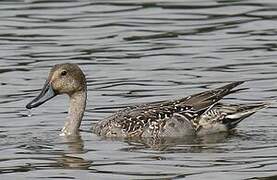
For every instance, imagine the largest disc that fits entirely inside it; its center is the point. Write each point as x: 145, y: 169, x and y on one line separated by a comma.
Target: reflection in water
x: 62, y: 159
x: 71, y: 162
x: 75, y: 146
x: 136, y: 52
x: 194, y: 144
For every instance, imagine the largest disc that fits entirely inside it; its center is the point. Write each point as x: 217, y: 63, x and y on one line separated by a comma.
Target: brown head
x: 63, y: 79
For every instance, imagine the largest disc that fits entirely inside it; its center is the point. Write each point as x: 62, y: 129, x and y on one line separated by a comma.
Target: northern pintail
x: 196, y: 114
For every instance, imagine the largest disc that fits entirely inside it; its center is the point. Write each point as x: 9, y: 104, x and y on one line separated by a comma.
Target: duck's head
x: 63, y: 79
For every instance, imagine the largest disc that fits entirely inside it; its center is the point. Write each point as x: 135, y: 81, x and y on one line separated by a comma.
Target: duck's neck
x: 76, y: 111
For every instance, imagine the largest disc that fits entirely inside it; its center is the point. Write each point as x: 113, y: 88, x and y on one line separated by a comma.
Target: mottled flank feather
x: 196, y: 114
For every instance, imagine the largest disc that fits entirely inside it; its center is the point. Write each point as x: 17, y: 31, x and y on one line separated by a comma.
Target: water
x: 135, y: 52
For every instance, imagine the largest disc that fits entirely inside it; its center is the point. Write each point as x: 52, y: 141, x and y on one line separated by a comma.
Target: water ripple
x: 136, y: 52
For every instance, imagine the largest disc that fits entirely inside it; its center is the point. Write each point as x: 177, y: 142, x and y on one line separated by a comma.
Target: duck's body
x: 197, y: 114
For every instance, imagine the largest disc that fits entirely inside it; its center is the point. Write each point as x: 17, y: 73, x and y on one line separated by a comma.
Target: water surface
x: 136, y: 52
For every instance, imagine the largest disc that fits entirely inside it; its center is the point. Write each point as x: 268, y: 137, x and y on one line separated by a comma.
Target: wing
x: 207, y: 98
x: 136, y: 118
x: 192, y: 107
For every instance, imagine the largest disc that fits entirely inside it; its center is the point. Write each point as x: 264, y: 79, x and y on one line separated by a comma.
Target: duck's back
x: 164, y: 119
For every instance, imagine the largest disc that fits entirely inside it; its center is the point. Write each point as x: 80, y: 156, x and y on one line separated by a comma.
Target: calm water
x: 135, y: 52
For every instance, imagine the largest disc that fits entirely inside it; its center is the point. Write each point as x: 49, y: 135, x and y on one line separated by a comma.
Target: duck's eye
x: 63, y: 73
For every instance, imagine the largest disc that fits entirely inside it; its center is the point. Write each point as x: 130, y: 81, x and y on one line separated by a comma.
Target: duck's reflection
x: 75, y: 146
x: 69, y: 154
x: 188, y: 143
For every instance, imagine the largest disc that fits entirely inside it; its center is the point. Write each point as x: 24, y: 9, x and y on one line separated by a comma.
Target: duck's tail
x: 237, y: 113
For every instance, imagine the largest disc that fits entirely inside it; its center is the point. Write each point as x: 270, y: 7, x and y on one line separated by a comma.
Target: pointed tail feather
x: 231, y: 85
x: 242, y: 112
x: 205, y: 99
x: 237, y: 90
x: 228, y: 89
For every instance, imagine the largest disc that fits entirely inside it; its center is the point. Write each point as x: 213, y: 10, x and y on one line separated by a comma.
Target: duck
x: 193, y: 115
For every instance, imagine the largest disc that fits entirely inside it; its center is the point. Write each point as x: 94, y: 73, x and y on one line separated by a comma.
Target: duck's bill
x: 46, y: 94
